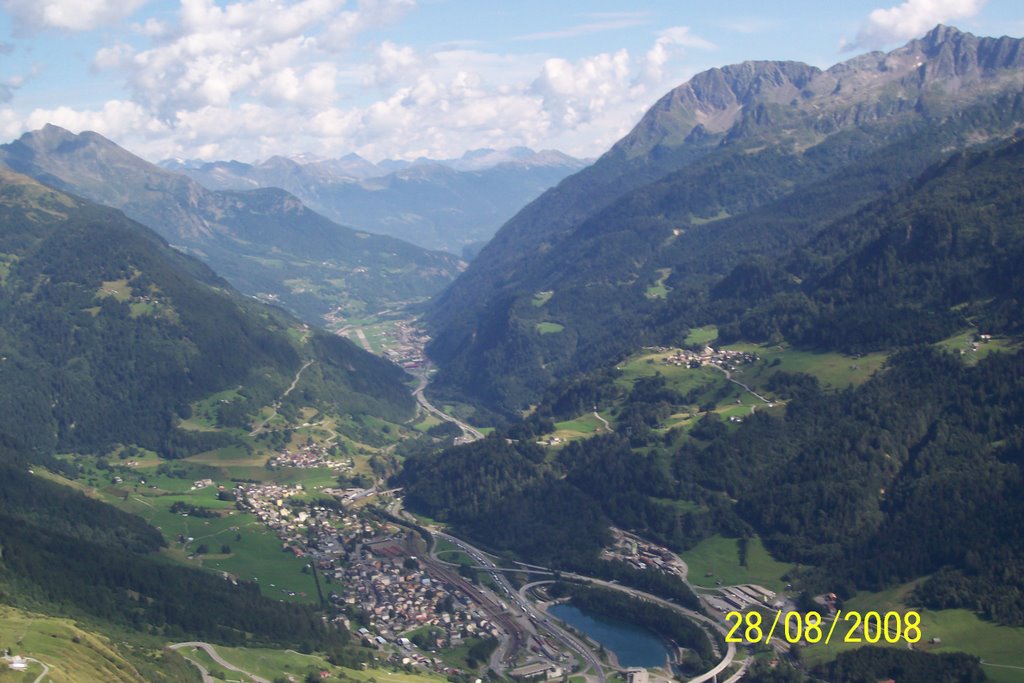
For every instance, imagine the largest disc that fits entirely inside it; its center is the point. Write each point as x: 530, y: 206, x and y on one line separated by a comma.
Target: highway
x: 469, y: 433
x: 538, y: 618
x: 706, y: 676
x: 519, y: 599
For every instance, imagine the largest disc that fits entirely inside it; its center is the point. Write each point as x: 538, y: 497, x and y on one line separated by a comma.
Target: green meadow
x: 718, y: 559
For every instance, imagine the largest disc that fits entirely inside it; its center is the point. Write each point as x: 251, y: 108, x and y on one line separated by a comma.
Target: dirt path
x: 290, y: 389
x: 206, y: 647
x: 603, y: 421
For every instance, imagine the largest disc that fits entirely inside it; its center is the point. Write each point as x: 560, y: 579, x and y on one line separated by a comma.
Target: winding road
x: 208, y: 649
x: 469, y: 433
x: 603, y: 421
x: 290, y: 389
x: 728, y: 376
x: 568, y: 639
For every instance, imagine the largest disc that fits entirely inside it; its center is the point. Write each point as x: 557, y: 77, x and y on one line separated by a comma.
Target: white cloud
x: 911, y: 19
x: 115, y: 118
x: 72, y: 15
x: 254, y: 78
x: 670, y: 44
x: 394, y: 64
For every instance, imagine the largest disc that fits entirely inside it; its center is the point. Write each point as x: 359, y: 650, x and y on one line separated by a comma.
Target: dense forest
x: 909, y: 268
x: 108, y: 335
x: 916, y: 472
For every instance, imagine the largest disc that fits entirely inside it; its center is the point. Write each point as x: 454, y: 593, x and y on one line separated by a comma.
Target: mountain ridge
x: 264, y: 241
x: 445, y: 204
x: 669, y: 195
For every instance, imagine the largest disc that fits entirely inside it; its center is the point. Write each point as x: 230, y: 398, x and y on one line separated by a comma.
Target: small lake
x: 633, y: 645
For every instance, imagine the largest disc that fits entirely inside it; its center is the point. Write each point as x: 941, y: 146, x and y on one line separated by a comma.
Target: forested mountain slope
x: 746, y: 161
x: 108, y: 334
x: 263, y: 241
x: 911, y: 267
x: 916, y: 473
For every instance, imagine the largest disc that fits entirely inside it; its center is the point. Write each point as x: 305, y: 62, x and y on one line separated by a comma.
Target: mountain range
x: 672, y: 342
x: 454, y: 205
x: 815, y: 220
x: 109, y: 334
x: 742, y: 162
x: 266, y: 242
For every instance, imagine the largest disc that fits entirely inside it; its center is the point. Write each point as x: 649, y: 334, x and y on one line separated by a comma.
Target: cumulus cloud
x: 114, y: 118
x: 670, y: 44
x: 249, y: 49
x: 254, y: 78
x: 911, y: 19
x: 394, y: 64
x: 71, y: 15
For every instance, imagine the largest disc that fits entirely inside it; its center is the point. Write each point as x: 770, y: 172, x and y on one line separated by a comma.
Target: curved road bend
x: 708, y: 675
x: 470, y: 433
x: 208, y: 649
x: 46, y: 669
x: 487, y: 564
x: 290, y: 389
x: 539, y: 619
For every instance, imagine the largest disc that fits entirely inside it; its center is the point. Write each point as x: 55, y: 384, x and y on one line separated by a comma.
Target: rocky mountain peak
x: 713, y: 102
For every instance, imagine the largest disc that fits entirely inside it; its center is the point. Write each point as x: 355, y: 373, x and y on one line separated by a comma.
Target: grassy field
x: 426, y: 423
x: 1000, y: 647
x: 541, y: 298
x: 456, y: 557
x: 719, y: 557
x: 659, y: 290
x: 972, y: 351
x: 73, y: 655
x: 255, y: 551
x: 681, y: 379
x: 549, y: 328
x: 833, y: 370
x: 584, y: 424
x: 583, y: 427
x: 273, y: 663
x: 701, y: 335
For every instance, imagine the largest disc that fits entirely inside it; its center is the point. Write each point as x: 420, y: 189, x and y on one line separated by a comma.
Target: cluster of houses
x: 398, y: 597
x: 407, y: 347
x: 314, y: 529
x: 723, y: 358
x: 308, y: 456
x: 643, y: 555
x: 367, y: 568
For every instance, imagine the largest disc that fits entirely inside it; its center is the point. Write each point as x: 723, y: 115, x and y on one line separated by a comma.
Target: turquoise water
x: 634, y: 646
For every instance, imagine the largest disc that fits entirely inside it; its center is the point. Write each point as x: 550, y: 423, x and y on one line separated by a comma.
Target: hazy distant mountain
x: 438, y: 204
x: 744, y: 161
x: 264, y: 241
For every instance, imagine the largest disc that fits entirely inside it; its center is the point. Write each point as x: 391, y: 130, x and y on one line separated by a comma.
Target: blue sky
x: 246, y: 79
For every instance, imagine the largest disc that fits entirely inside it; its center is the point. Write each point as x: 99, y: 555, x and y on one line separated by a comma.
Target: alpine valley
x: 762, y: 360
x: 454, y: 205
x: 264, y: 241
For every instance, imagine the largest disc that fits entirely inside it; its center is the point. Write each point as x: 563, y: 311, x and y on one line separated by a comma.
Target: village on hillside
x: 367, y: 566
